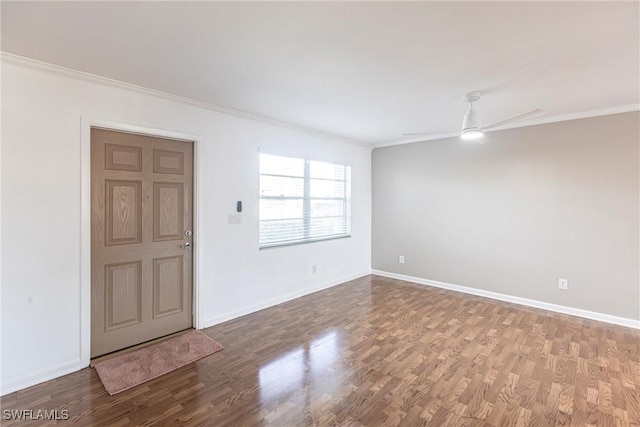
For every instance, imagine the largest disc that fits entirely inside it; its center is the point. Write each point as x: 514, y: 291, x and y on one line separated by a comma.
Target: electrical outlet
x: 563, y: 284
x: 401, y: 259
x: 314, y: 270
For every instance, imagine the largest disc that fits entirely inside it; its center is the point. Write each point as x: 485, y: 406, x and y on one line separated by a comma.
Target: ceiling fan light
x: 470, y: 121
x: 471, y: 126
x: 471, y: 134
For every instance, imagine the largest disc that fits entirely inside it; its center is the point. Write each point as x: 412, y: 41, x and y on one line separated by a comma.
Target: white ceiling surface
x: 367, y: 71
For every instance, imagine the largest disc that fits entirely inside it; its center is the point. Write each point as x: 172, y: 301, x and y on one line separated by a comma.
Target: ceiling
x: 366, y: 71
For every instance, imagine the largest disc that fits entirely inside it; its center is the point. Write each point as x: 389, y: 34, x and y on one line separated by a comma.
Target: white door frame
x: 85, y: 220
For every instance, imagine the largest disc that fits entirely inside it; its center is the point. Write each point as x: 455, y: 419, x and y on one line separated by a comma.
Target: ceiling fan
x: 471, y: 127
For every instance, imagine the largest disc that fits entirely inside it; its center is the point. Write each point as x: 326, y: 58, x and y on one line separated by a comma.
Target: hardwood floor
x: 378, y: 352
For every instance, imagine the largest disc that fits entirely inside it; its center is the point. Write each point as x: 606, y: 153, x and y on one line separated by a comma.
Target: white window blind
x: 303, y: 200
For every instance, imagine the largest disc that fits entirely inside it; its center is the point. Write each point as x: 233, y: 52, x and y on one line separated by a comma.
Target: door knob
x: 186, y: 246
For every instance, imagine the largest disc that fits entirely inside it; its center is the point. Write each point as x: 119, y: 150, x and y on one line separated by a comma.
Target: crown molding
x: 533, y: 122
x: 574, y: 116
x: 94, y: 78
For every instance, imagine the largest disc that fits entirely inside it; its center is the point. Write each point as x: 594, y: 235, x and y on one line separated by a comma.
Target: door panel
x: 123, y: 212
x: 123, y: 158
x: 168, y: 162
x: 167, y: 211
x: 123, y: 294
x: 141, y: 206
x: 167, y: 286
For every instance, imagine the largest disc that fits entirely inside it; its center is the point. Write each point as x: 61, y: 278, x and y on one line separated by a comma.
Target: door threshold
x: 133, y: 348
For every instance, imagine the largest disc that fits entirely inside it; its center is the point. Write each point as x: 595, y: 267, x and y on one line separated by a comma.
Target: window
x: 303, y: 200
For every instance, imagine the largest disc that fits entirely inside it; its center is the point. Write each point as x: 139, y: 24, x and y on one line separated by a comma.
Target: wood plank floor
x: 379, y: 352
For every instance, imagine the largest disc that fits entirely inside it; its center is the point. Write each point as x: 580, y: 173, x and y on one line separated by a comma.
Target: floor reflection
x: 303, y: 373
x: 283, y: 376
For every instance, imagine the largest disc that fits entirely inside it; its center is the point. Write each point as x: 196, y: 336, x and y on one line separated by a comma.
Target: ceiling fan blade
x: 423, y: 133
x: 518, y: 117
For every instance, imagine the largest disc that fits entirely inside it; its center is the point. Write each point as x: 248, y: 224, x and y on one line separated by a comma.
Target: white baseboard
x: 279, y: 300
x: 41, y: 376
x: 607, y: 318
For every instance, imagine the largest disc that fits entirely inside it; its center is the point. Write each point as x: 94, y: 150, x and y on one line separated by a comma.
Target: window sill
x: 302, y: 242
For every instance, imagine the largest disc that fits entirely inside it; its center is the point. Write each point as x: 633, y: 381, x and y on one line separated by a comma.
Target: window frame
x: 306, y: 199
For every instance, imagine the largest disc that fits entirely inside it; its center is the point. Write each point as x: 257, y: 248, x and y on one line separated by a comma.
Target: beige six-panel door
x: 141, y: 238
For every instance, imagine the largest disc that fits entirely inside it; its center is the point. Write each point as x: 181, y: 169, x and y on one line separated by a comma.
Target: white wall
x: 41, y: 212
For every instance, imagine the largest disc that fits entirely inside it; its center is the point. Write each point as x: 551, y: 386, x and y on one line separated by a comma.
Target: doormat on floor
x: 131, y: 369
